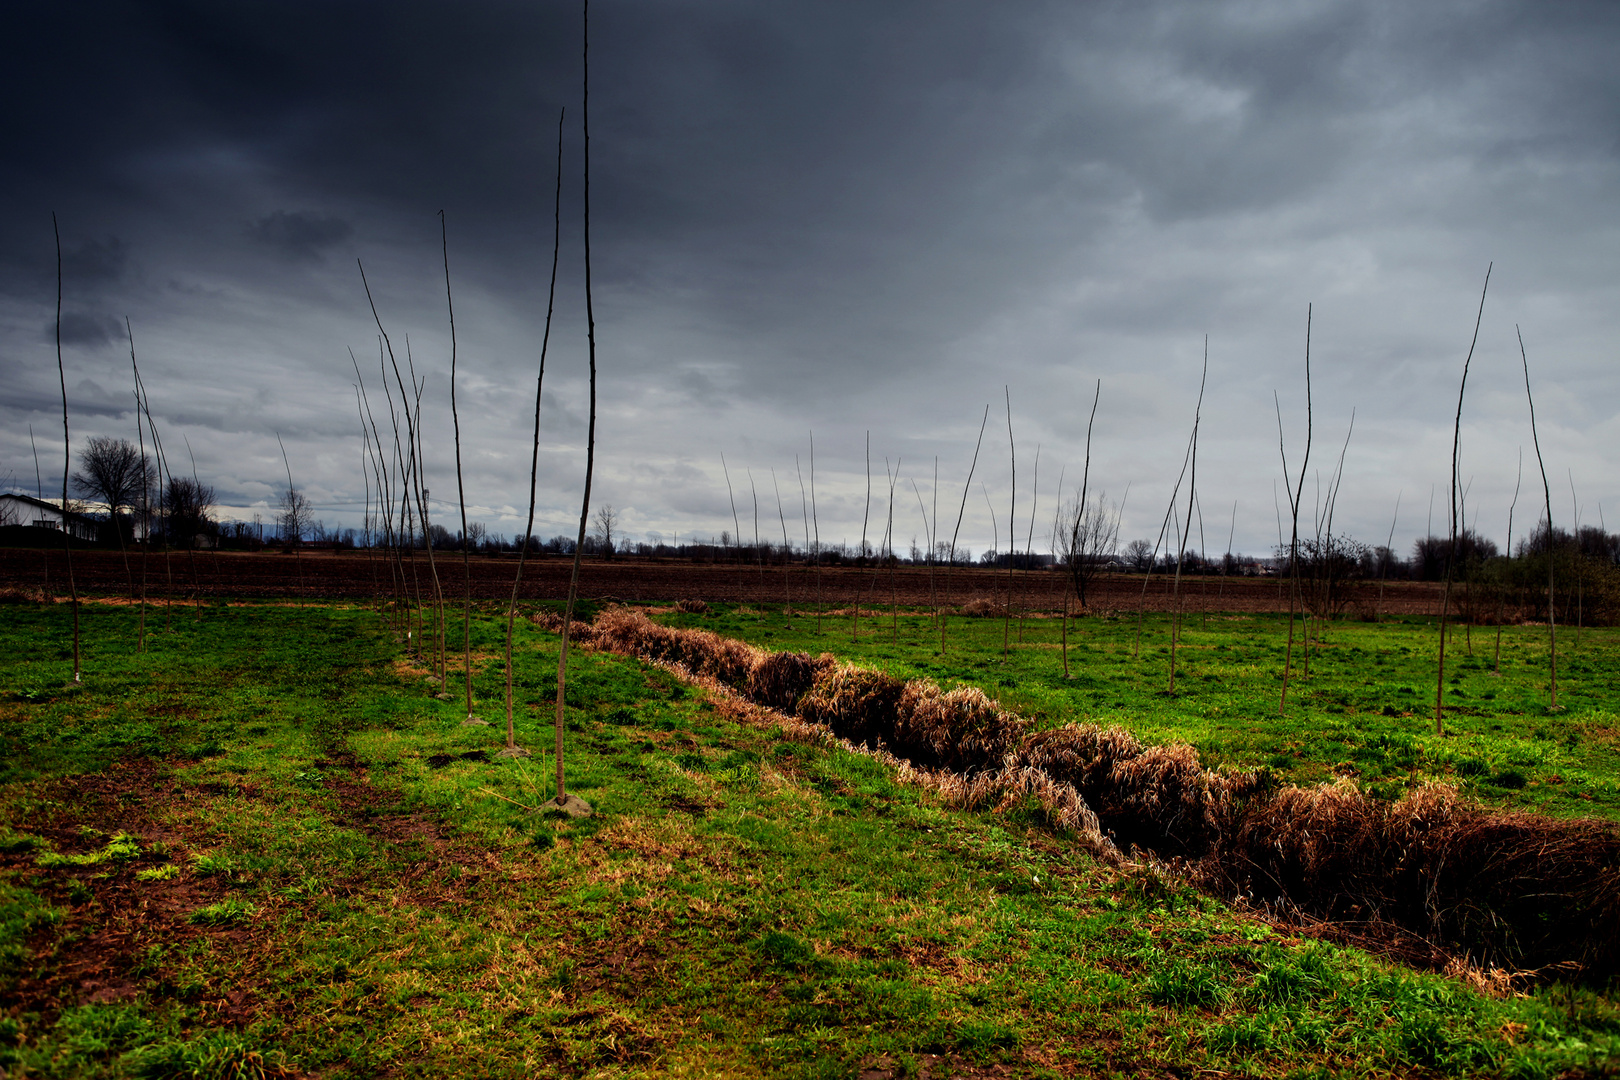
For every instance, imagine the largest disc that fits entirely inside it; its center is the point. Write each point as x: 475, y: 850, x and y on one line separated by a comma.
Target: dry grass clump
x: 961, y: 729
x: 22, y: 596
x: 692, y: 607
x: 983, y: 608
x: 779, y: 679
x: 1155, y: 797
x: 859, y: 705
x: 1505, y: 885
x: 701, y: 651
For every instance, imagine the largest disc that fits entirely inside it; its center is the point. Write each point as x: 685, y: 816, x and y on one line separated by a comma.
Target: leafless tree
x: 295, y: 517
x: 1089, y: 538
x: 607, y: 526
x: 113, y: 471
x: 186, y: 502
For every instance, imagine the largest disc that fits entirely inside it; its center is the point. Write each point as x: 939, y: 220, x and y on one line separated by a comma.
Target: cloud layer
x: 835, y: 218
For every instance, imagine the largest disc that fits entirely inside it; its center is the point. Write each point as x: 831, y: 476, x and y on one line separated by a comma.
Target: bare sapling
x: 163, y: 478
x: 1501, y: 590
x: 1456, y: 443
x: 736, y: 524
x: 1326, y: 564
x: 1226, y: 561
x: 1577, y: 561
x: 787, y: 596
x: 804, y: 508
x: 198, y: 513
x: 1552, y: 609
x: 1388, y: 556
x: 1055, y: 544
x: 1295, y: 494
x: 146, y: 487
x: 512, y: 749
x: 933, y: 542
x: 39, y: 492
x: 1192, y: 489
x: 1029, y: 542
x: 461, y: 487
x: 1203, y: 567
x: 577, y: 805
x: 1084, y: 539
x: 1012, y: 526
x: 384, y: 481
x: 888, y: 551
x: 759, y: 556
x: 294, y: 500
x: 967, y: 486
x: 419, y: 449
x: 67, y: 455
x: 866, y: 513
x: 928, y: 536
x: 815, y: 519
x: 1158, y: 545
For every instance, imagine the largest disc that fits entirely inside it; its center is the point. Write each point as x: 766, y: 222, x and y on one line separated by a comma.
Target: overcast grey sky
x: 830, y: 217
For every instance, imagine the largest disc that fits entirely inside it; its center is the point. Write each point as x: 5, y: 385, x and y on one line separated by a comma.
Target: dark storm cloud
x: 300, y: 235
x: 839, y: 215
x: 86, y: 329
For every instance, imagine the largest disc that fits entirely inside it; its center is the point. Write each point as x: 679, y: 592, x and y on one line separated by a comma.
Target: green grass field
x: 269, y: 847
x: 1366, y: 710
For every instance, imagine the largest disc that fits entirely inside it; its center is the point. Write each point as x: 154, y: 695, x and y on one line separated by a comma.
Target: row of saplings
x: 1507, y: 887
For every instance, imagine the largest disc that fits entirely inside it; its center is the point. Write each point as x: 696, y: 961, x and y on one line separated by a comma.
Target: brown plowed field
x: 268, y: 575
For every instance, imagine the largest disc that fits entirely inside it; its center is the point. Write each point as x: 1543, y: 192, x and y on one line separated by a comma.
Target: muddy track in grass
x: 116, y: 931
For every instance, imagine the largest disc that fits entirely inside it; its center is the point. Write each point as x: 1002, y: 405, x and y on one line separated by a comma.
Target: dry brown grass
x: 692, y: 607
x: 1505, y: 885
x: 983, y: 608
x: 960, y: 729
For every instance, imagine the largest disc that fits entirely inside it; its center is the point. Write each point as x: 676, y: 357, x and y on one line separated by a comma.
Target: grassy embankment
x: 267, y: 841
x: 1366, y: 710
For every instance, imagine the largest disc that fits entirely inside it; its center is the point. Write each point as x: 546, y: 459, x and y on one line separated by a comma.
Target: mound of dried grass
x: 23, y: 596
x: 960, y: 729
x: 779, y: 679
x: 1508, y: 886
x: 702, y: 651
x: 983, y: 608
x: 1155, y: 797
x: 855, y: 704
x: 692, y: 607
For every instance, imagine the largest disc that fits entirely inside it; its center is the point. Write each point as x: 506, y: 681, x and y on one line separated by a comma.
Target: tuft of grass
x: 118, y: 849
x: 227, y: 912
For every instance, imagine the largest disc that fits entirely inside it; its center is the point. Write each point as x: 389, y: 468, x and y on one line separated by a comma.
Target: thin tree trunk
x: 1456, y: 442
x: 1012, y: 527
x: 1294, y: 498
x: 67, y: 454
x: 461, y: 487
x: 1501, y: 589
x: 512, y: 748
x: 590, y: 443
x: 960, y: 511
x: 146, y: 486
x: 1552, y: 608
